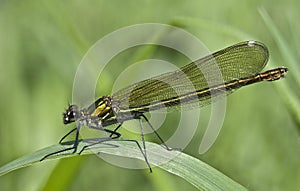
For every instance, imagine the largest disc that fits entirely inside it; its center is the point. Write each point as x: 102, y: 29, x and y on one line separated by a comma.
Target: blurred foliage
x: 42, y: 43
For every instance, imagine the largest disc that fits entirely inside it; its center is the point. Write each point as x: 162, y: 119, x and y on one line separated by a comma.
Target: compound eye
x: 71, y: 114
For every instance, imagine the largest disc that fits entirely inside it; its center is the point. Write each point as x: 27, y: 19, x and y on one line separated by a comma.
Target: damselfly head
x: 71, y: 114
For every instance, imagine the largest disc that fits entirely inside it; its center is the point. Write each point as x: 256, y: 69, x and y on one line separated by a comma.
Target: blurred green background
x: 42, y: 42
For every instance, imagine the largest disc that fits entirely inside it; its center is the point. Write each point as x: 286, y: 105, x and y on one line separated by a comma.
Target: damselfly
x: 239, y: 65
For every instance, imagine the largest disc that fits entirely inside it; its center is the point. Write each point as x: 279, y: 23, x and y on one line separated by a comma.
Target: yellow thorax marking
x: 101, y: 109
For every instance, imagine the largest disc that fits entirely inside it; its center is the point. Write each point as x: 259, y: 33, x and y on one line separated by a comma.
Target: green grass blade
x: 196, y: 172
x: 291, y: 99
x: 281, y: 43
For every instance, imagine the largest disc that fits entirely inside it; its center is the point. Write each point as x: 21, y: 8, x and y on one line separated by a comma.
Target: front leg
x: 74, y: 147
x: 66, y: 135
